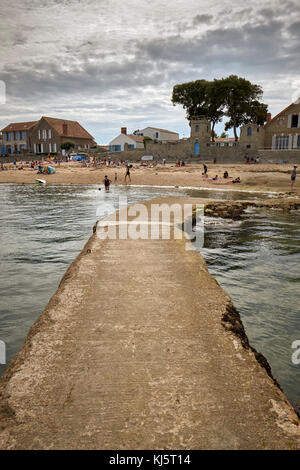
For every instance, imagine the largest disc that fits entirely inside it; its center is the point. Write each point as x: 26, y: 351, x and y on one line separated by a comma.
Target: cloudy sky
x: 113, y: 63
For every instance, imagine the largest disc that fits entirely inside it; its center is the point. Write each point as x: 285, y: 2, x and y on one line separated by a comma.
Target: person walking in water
x: 127, y: 173
x: 293, y: 177
x: 106, y: 182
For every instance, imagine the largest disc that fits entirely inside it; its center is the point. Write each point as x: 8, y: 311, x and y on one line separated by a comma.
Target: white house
x: 132, y: 141
x: 161, y: 135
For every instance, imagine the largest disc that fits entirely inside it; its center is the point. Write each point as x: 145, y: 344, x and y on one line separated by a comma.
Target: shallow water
x: 43, y: 228
x: 257, y: 261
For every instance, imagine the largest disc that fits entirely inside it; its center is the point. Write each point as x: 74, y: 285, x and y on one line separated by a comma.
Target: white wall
x: 123, y: 139
x: 162, y: 136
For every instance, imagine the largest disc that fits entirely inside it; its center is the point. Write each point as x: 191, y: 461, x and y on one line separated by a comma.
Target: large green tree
x: 192, y: 96
x: 233, y: 97
x: 241, y: 102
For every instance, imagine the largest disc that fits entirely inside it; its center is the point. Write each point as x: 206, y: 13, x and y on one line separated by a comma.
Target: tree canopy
x: 67, y: 145
x: 233, y: 97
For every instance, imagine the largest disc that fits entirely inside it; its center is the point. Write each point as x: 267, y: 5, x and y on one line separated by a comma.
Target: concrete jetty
x: 140, y: 348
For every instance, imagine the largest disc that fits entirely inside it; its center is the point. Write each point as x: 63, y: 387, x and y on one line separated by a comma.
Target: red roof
x: 73, y: 128
x: 19, y: 126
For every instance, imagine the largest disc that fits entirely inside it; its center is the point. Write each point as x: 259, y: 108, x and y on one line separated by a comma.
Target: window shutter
x: 289, y: 121
x: 273, y: 141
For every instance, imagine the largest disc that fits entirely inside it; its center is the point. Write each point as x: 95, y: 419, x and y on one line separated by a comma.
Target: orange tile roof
x: 19, y: 126
x: 137, y: 138
x: 74, y: 128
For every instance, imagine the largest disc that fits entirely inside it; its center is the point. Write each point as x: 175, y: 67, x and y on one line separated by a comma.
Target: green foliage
x: 67, y: 145
x: 146, y: 139
x: 233, y: 97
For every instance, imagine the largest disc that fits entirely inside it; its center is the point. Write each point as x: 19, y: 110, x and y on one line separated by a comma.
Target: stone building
x: 200, y: 134
x: 16, y: 137
x: 281, y: 132
x: 50, y: 133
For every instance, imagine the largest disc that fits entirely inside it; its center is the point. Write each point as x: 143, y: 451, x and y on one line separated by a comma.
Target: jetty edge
x: 131, y: 352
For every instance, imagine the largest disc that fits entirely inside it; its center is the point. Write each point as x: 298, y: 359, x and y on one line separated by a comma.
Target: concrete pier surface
x: 140, y: 348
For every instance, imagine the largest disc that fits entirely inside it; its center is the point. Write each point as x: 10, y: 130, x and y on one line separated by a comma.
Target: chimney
x: 269, y: 117
x: 124, y: 130
x: 65, y: 129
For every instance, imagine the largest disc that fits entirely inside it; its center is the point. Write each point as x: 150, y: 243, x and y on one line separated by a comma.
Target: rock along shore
x: 140, y: 348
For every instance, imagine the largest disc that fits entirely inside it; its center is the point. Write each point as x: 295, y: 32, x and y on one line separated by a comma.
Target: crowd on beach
x: 46, y: 166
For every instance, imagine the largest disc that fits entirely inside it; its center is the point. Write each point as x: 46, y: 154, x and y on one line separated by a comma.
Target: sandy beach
x: 259, y: 177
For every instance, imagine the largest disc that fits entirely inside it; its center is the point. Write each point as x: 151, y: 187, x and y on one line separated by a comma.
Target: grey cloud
x: 202, y: 19
x: 246, y: 48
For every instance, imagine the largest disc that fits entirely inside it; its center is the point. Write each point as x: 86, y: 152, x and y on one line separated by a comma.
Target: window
x: 197, y: 128
x: 282, y: 142
x: 44, y: 132
x: 17, y: 136
x: 54, y: 147
x: 49, y: 133
x: 249, y: 131
x: 298, y: 141
x: 23, y: 135
x: 39, y: 133
x: 295, y: 119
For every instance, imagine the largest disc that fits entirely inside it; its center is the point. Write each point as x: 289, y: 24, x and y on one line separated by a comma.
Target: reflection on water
x: 257, y: 261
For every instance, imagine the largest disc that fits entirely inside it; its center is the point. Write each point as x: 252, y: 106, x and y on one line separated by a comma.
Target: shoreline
x: 262, y: 178
x: 11, y: 411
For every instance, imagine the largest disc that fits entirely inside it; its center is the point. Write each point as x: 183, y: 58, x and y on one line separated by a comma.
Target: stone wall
x: 183, y: 151
x: 279, y: 156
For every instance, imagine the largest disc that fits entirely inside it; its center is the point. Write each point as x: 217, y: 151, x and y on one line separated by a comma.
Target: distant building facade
x: 44, y: 136
x: 50, y: 133
x: 16, y: 137
x: 160, y: 135
x: 281, y: 132
x: 126, y: 141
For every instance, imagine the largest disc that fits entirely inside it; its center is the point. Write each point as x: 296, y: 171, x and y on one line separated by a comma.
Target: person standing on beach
x: 106, y: 182
x: 293, y: 176
x: 127, y: 173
